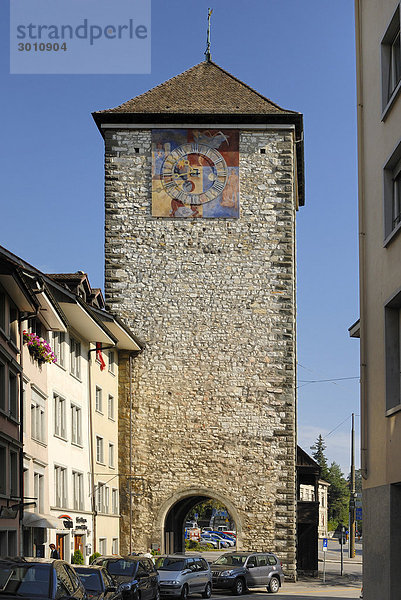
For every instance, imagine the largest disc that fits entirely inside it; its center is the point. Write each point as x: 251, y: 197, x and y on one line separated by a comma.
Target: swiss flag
x: 99, y: 356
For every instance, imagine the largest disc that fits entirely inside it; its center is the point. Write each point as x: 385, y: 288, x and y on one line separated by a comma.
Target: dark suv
x: 39, y: 579
x: 136, y: 576
x: 239, y: 571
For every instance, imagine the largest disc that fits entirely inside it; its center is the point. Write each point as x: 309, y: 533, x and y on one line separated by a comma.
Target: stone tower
x: 203, y: 178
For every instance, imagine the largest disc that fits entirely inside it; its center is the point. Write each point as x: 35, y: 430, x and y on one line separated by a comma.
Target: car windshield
x: 90, y: 579
x: 231, y: 560
x: 166, y: 563
x: 25, y: 580
x: 122, y: 567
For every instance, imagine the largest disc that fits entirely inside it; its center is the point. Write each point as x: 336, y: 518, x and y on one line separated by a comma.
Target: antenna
x: 207, y: 51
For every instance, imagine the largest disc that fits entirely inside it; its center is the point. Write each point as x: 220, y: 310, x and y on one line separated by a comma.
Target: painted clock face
x: 194, y: 173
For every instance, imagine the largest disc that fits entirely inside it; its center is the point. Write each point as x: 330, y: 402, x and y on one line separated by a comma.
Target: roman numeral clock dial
x: 194, y: 173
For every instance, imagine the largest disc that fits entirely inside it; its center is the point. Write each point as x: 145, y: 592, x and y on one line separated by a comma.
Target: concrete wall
x: 214, y: 301
x: 380, y: 269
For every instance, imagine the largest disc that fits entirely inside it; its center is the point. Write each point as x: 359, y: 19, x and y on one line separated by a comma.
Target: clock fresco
x: 195, y: 173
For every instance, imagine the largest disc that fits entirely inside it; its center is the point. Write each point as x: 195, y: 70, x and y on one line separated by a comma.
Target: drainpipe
x: 91, y: 455
x: 21, y: 439
x: 362, y: 245
x: 130, y: 453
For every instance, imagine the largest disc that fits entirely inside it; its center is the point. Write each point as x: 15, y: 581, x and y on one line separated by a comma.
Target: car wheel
x: 157, y: 594
x: 239, y: 587
x: 208, y: 591
x: 274, y: 585
x: 184, y: 592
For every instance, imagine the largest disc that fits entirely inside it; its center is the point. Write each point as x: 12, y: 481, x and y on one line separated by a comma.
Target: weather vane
x: 207, y: 51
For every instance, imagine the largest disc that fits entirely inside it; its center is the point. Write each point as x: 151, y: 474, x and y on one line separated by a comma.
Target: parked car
x: 239, y: 571
x: 207, y: 539
x: 230, y: 542
x: 182, y: 575
x: 136, y: 576
x: 211, y: 537
x: 98, y: 583
x: 39, y: 579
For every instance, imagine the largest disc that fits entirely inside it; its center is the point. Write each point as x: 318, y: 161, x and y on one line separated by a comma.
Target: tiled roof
x: 205, y: 88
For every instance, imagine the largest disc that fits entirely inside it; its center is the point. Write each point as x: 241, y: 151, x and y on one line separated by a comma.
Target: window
x: 106, y: 499
x: 114, y: 546
x: 391, y: 60
x: 392, y: 193
x: 75, y: 358
x: 100, y: 497
x: 14, y: 474
x: 110, y: 407
x: 78, y: 487
x: 38, y: 430
x: 59, y: 417
x: 103, y: 546
x: 2, y: 386
x: 99, y: 450
x: 111, y: 455
x: 13, y: 322
x: 76, y: 425
x: 2, y: 310
x: 38, y: 491
x: 393, y: 352
x: 60, y: 486
x: 114, y: 501
x: 59, y: 347
x: 13, y: 394
x: 111, y: 361
x: 3, y: 470
x: 99, y: 402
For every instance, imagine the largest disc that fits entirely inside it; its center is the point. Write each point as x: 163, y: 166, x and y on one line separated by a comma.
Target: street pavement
x: 346, y: 586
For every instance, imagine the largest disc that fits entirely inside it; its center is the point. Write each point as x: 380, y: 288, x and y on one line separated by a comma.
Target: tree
x: 318, y: 454
x: 338, y: 495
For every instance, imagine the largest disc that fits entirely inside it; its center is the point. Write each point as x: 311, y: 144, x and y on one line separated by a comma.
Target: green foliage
x: 78, y: 558
x: 331, y: 525
x: 93, y: 556
x: 204, y: 510
x: 338, y: 495
x: 194, y: 545
x: 318, y: 454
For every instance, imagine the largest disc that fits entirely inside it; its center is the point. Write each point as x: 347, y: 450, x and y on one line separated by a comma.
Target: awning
x: 44, y: 521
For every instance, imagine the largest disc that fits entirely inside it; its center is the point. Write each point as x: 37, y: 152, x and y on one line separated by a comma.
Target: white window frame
x: 59, y: 347
x: 100, y: 449
x: 114, y: 501
x: 99, y: 399
x: 111, y: 456
x: 78, y: 490
x: 114, y: 546
x: 38, y: 491
x: 111, y: 361
x: 60, y: 416
x: 75, y: 358
x: 103, y: 546
x: 76, y: 425
x: 60, y: 486
x: 110, y: 407
x: 100, y: 492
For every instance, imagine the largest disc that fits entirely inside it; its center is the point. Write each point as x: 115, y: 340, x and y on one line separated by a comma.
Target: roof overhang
x: 48, y: 314
x: 355, y: 329
x: 84, y: 324
x: 17, y: 293
x: 31, y: 519
x: 125, y: 340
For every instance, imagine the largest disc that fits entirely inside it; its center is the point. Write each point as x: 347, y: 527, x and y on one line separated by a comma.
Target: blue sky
x: 299, y: 54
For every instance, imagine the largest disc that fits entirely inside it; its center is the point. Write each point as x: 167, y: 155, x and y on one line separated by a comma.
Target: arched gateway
x: 203, y: 179
x: 173, y: 513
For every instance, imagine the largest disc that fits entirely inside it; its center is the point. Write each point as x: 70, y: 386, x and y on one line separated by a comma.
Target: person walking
x: 53, y: 551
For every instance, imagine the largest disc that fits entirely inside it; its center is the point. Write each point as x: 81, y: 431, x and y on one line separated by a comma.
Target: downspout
x: 130, y: 453
x: 362, y: 245
x: 21, y: 439
x: 91, y: 456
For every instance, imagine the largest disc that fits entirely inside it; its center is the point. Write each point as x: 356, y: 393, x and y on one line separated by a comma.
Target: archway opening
x: 188, y: 519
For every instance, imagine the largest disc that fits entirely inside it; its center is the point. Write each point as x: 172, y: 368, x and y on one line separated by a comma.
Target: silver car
x: 182, y: 575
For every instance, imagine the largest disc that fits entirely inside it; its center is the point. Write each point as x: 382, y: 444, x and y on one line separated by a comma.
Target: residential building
x: 62, y: 482
x: 379, y: 170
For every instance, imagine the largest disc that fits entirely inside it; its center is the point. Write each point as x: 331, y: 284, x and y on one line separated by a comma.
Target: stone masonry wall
x: 214, y: 301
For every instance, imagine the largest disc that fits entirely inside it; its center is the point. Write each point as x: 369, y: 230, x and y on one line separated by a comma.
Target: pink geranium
x: 39, y: 348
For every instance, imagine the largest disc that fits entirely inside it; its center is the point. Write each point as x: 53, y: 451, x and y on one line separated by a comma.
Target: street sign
x: 358, y: 513
x: 324, y: 544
